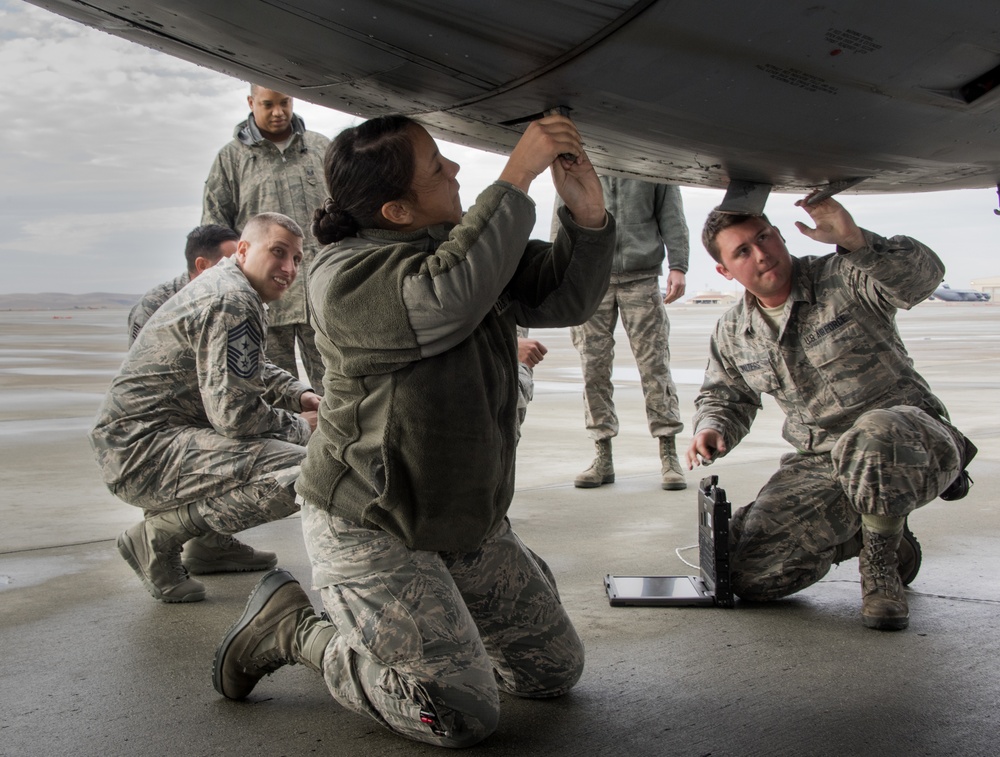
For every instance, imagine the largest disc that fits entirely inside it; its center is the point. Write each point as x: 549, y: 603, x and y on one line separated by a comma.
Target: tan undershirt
x: 772, y: 315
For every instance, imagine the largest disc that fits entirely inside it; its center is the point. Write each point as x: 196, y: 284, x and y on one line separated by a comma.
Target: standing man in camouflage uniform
x: 649, y: 217
x: 206, y: 246
x: 274, y: 165
x: 198, y: 429
x: 872, y: 442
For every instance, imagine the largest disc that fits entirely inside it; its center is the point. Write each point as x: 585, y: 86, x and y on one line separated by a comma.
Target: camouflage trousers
x: 236, y: 483
x: 645, y: 319
x: 281, y: 341
x: 428, y: 636
x: 890, y: 462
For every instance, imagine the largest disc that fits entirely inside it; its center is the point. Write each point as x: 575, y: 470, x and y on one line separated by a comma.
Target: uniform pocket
x: 372, y: 618
x: 389, y: 600
x: 760, y: 376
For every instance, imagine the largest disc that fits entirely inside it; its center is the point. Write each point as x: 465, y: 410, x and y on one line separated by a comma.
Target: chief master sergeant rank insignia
x: 244, y: 349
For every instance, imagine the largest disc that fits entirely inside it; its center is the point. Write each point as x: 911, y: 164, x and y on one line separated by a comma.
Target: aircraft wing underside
x: 792, y: 94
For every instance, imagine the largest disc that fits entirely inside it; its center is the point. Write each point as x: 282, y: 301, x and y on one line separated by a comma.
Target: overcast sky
x: 108, y: 145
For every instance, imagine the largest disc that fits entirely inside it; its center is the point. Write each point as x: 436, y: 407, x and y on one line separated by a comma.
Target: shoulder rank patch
x: 243, y: 355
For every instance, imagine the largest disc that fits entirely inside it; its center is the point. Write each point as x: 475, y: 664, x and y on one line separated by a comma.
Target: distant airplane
x: 945, y: 292
x: 881, y: 97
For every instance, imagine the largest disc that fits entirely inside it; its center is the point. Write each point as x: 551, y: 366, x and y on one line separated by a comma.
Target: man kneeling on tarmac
x: 198, y: 428
x: 872, y: 442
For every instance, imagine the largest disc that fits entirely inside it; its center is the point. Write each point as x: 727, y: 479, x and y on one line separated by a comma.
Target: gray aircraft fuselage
x: 946, y: 293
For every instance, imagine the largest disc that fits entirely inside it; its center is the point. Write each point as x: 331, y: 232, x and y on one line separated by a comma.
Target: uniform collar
x: 802, y: 291
x: 248, y: 133
x: 432, y: 234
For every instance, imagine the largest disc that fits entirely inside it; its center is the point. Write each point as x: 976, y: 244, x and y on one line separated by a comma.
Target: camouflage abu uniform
x: 410, y: 474
x: 869, y: 434
x: 151, y: 302
x: 649, y: 216
x: 251, y: 175
x: 197, y: 414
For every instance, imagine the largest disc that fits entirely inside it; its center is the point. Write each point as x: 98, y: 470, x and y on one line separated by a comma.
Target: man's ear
x: 397, y: 213
x: 202, y: 264
x: 723, y: 271
x: 241, y: 250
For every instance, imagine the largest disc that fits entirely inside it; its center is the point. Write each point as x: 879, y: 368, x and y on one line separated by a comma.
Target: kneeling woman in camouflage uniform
x: 434, y: 602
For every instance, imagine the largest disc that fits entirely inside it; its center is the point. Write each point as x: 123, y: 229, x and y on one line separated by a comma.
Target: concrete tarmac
x: 92, y: 665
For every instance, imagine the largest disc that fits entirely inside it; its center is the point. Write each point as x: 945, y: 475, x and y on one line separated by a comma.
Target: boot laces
x: 280, y: 646
x: 878, y: 561
x: 232, y: 544
x: 174, y: 563
x: 266, y: 662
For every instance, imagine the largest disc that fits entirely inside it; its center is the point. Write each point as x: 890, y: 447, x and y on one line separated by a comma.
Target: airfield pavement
x: 91, y: 665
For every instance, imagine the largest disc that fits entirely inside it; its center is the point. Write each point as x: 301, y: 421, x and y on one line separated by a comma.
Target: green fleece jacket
x: 418, y: 426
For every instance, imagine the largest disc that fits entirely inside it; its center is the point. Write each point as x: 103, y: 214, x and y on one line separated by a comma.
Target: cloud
x: 108, y: 152
x: 81, y: 233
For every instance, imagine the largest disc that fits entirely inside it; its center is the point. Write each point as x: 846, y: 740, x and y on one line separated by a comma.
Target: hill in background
x: 62, y: 301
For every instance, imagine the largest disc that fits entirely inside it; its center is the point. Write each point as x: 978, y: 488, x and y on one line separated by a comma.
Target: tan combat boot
x: 908, y: 556
x: 153, y: 548
x: 672, y: 475
x: 221, y: 553
x: 278, y: 627
x: 883, y: 601
x: 601, y: 471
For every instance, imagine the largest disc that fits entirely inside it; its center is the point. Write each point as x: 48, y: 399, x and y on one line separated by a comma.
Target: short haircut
x: 717, y: 222
x: 263, y: 221
x: 255, y: 88
x: 205, y: 241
